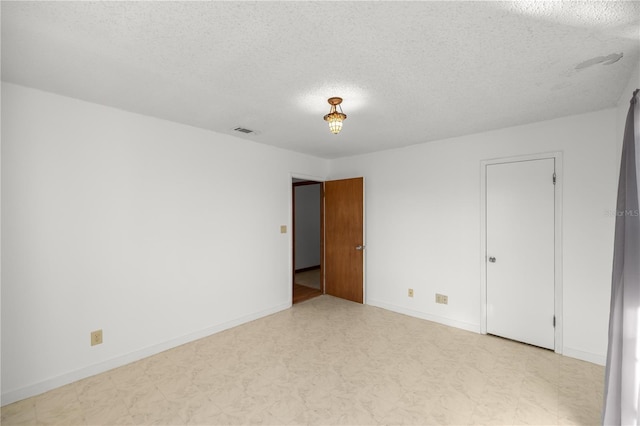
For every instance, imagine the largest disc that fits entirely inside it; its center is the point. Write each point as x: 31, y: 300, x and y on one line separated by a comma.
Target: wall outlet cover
x: 96, y: 337
x: 442, y: 299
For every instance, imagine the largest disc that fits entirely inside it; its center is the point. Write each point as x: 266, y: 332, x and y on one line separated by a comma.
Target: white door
x: 520, y: 251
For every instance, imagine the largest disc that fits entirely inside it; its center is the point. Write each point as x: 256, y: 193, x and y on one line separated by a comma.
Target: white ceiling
x: 409, y: 72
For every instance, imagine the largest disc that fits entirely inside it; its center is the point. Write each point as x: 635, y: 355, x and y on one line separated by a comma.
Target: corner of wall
x: 632, y: 84
x: 622, y: 108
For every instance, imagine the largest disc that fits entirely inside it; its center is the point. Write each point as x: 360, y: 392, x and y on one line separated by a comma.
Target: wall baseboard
x: 475, y: 328
x: 567, y: 351
x: 584, y: 356
x: 73, y: 376
x: 308, y: 268
x: 47, y: 385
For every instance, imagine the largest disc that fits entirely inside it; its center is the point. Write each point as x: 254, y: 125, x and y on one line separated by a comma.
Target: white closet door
x: 520, y: 251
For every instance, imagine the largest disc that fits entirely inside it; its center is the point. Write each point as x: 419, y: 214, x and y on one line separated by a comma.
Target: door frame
x: 292, y: 253
x: 557, y: 156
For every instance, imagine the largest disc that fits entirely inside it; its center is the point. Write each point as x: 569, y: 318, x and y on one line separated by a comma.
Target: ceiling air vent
x: 243, y: 130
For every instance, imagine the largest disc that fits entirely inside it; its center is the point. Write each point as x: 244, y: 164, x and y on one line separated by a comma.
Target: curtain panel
x: 622, y: 374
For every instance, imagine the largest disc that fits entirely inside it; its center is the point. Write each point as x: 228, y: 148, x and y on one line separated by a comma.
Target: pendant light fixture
x: 335, y: 118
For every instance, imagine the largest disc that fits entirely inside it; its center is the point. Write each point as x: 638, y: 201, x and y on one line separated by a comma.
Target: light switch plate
x: 283, y: 229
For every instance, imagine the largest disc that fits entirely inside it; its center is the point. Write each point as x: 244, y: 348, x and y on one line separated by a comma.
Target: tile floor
x: 310, y: 278
x: 306, y: 285
x: 328, y: 361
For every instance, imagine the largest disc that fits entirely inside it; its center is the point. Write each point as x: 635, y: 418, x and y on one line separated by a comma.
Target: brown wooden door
x: 343, y: 215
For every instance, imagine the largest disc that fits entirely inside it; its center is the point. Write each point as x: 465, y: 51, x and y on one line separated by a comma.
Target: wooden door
x: 344, y: 239
x: 520, y: 251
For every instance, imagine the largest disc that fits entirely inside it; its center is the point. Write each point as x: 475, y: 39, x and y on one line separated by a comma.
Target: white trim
x: 475, y: 328
x: 73, y: 376
x: 364, y: 243
x: 557, y: 156
x: 294, y: 175
x: 585, y: 356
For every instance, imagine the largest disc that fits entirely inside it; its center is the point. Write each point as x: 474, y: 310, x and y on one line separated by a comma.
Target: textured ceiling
x: 409, y: 72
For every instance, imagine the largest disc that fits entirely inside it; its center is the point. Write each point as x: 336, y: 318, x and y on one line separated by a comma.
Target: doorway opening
x: 339, y: 247
x: 308, y: 234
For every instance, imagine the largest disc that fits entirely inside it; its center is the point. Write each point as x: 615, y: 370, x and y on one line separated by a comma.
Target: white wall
x: 156, y: 232
x: 423, y: 222
x: 307, y: 223
x: 139, y: 226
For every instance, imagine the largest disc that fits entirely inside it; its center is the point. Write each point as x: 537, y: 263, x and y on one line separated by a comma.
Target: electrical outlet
x: 96, y: 337
x: 410, y: 292
x: 442, y: 299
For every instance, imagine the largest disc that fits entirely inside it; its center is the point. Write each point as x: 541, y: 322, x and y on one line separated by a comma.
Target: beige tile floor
x: 328, y: 361
x: 310, y: 278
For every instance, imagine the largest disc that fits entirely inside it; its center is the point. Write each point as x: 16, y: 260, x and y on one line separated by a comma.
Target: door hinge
x: 554, y: 178
x: 554, y: 320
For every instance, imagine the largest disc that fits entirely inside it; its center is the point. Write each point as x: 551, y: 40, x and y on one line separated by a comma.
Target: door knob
x: 492, y: 259
x: 359, y: 247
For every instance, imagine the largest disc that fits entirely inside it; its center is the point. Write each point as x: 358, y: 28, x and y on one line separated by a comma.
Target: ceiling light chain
x: 335, y: 118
